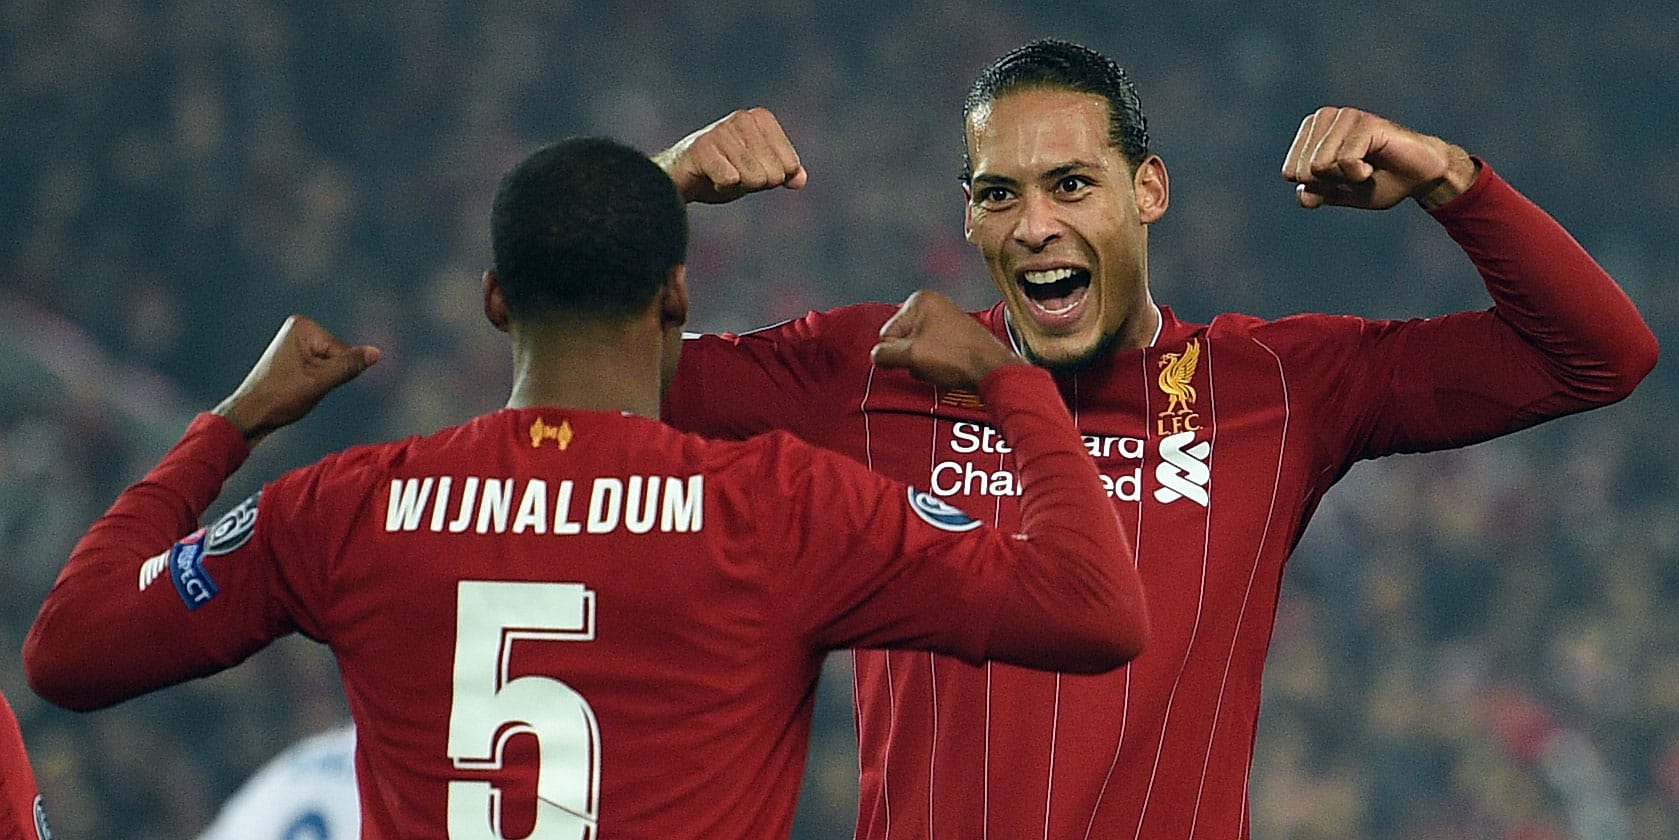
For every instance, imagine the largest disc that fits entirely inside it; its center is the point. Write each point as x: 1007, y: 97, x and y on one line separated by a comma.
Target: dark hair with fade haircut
x: 1053, y: 64
x: 586, y: 226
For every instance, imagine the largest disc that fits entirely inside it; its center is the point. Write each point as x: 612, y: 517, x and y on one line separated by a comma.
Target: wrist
x: 669, y: 160
x: 990, y: 363
x: 1461, y: 171
x: 229, y: 410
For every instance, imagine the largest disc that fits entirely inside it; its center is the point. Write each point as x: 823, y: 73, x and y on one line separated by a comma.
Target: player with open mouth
x: 1061, y: 218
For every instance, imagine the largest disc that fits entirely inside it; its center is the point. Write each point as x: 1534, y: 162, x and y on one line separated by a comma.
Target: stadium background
x: 1475, y: 644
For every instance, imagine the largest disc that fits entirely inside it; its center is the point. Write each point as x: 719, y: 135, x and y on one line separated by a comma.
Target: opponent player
x: 307, y: 792
x: 22, y: 816
x: 565, y: 619
x: 1215, y: 440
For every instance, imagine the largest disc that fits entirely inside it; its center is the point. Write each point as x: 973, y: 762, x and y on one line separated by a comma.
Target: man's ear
x: 495, y: 303
x: 673, y: 299
x: 1152, y: 190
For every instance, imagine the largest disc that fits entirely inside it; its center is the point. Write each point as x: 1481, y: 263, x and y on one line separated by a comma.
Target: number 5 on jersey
x: 489, y: 708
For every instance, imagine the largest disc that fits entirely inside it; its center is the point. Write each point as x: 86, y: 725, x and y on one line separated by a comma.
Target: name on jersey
x: 637, y: 504
x: 962, y: 477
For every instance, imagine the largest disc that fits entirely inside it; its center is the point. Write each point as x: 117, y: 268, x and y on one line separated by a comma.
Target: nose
x: 1038, y: 224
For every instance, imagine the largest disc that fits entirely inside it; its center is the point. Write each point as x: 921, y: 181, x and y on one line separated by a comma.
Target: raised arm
x: 115, y: 624
x: 1561, y: 336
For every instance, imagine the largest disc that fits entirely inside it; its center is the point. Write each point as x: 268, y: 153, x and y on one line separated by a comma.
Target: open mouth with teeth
x: 1056, y: 293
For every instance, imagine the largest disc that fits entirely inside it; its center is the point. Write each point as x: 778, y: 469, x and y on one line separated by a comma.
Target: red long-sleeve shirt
x: 22, y: 816
x: 585, y: 622
x: 1216, y: 443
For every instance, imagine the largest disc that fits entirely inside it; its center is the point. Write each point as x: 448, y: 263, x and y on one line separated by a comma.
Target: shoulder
x: 778, y: 457
x: 750, y: 455
x: 857, y: 316
x: 842, y: 325
x: 1292, y: 333
x: 792, y: 356
x: 356, y: 470
x: 355, y: 463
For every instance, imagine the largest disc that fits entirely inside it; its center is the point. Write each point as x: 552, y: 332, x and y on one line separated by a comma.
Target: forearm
x: 1550, y: 291
x: 96, y: 639
x: 1077, y: 603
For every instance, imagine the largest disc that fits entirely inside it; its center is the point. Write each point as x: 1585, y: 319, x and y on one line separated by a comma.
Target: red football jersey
x: 557, y: 623
x: 1215, y: 443
x: 21, y: 814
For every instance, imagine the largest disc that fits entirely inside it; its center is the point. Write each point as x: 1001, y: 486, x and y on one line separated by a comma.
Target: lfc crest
x: 1184, y: 470
x: 1177, y: 372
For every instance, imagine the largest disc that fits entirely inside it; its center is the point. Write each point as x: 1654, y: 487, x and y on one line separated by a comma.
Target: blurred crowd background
x: 1473, y: 644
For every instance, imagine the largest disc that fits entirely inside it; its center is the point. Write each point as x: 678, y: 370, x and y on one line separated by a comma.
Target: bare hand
x: 932, y: 338
x: 300, y: 366
x: 1352, y: 158
x: 744, y: 152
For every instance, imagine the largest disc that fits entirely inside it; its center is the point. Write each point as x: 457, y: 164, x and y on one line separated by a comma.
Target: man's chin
x: 1071, y: 357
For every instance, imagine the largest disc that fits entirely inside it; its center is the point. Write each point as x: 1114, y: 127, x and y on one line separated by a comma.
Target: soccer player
x: 564, y: 618
x: 22, y: 816
x: 1216, y: 441
x: 307, y: 792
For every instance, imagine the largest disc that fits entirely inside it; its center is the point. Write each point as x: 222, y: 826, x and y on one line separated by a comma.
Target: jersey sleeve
x: 733, y: 386
x: 21, y: 814
x: 882, y: 564
x: 1561, y: 337
x: 148, y: 598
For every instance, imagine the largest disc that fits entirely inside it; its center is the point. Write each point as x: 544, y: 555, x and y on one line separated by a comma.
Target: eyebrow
x: 1066, y: 169
x: 989, y: 180
x: 1053, y: 174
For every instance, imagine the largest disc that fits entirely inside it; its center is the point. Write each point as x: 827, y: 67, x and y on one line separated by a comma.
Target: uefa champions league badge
x: 939, y: 514
x: 186, y: 566
x: 234, y: 529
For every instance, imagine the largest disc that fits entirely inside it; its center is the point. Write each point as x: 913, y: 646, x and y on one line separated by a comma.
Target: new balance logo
x: 1183, y: 472
x: 962, y: 399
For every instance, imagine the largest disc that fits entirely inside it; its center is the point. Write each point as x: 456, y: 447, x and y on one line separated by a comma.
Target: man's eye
x: 1072, y: 184
x: 993, y: 195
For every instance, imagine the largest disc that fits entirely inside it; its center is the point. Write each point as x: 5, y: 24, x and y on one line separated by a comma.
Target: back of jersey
x: 548, y: 624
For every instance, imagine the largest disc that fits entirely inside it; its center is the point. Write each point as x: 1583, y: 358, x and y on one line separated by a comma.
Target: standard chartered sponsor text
x: 963, y: 477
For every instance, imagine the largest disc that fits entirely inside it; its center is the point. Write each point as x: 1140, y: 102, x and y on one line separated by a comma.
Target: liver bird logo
x: 1176, y: 371
x: 560, y: 434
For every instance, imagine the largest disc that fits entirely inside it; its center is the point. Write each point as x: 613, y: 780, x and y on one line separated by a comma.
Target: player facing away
x: 22, y: 816
x: 565, y: 619
x: 1215, y: 441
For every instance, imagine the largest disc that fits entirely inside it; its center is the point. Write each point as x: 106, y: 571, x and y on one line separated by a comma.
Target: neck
x: 588, y: 364
x: 1143, y: 330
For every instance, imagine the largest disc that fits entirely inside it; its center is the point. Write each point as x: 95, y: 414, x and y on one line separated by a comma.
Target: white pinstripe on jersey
x: 1201, y: 596
x: 1247, y: 595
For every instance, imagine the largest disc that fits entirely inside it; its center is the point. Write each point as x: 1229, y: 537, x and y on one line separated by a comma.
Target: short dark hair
x: 586, y: 226
x: 1049, y: 63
